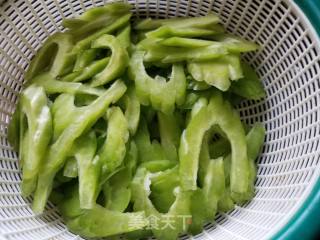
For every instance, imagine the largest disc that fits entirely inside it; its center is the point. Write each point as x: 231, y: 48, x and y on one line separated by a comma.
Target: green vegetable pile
x: 131, y: 128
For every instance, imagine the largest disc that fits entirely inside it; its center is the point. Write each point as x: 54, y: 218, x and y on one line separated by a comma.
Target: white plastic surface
x: 288, y: 65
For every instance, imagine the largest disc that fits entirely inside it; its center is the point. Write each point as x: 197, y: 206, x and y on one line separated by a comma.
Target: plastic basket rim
x: 306, y: 215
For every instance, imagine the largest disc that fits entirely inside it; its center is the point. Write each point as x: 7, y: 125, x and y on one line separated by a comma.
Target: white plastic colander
x: 288, y: 64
